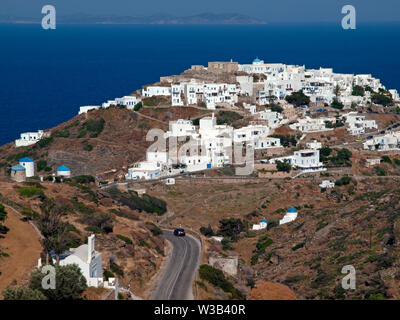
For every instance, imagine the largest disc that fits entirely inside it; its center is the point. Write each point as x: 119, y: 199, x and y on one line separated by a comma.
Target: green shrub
x: 217, y: 279
x: 380, y: 171
x: 231, y: 228
x: 30, y: 191
x: 298, y: 246
x: 3, y: 212
x: 138, y: 106
x: 343, y: 181
x: 123, y: 238
x: 44, y: 142
x: 95, y: 127
x: 207, y: 231
x: 298, y: 98
x: 228, y: 117
x: 386, y: 159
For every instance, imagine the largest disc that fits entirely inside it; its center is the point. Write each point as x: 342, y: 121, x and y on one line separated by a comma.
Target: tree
x: 283, y: 166
x: 382, y: 99
x: 275, y: 107
x: 3, y: 212
x: 207, y: 231
x: 231, y: 228
x: 70, y: 283
x: 336, y: 104
x: 336, y: 91
x: 358, y: 91
x: 298, y: 98
x: 137, y: 106
x: 23, y: 293
x: 54, y: 231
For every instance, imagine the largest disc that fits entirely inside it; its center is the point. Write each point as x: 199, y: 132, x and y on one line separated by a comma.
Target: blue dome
x: 18, y: 167
x: 25, y: 160
x: 63, y: 168
x: 263, y: 220
x: 256, y: 60
x: 292, y: 210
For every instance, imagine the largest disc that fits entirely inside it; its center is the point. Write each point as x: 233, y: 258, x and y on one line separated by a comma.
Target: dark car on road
x: 179, y: 232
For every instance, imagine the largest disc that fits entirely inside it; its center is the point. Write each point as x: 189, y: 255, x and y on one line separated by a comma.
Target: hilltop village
x: 270, y: 165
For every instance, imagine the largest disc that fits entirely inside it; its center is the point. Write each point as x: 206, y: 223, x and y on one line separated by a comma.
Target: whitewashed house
x: 88, y: 260
x: 29, y: 138
x: 250, y: 133
x: 85, y: 109
x: 372, y: 162
x: 144, y: 170
x: 260, y: 226
x: 29, y: 166
x: 314, y: 144
x: 181, y: 128
x: 308, y: 124
x: 387, y: 142
x: 128, y: 101
x: 63, y: 171
x: 358, y: 124
x: 290, y: 216
x: 326, y: 184
x: 305, y: 160
x: 150, y: 91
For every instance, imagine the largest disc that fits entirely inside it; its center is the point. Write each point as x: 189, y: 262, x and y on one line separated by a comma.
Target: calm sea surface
x: 45, y: 75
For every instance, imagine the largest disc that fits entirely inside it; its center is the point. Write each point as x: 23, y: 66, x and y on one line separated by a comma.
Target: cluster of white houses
x: 356, y: 124
x: 280, y: 80
x: 387, y: 142
x: 209, y: 146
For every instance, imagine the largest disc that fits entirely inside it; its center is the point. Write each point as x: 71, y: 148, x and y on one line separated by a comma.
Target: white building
x: 290, y: 216
x: 29, y: 138
x: 260, y: 226
x: 129, y: 101
x: 250, y: 133
x: 85, y: 109
x: 373, y: 162
x: 150, y: 91
x: 29, y: 166
x: 181, y: 128
x: 358, y: 124
x: 387, y: 142
x: 144, y: 170
x: 88, y: 260
x: 266, y: 143
x: 63, y: 171
x: 325, y: 184
x: 306, y: 160
x: 314, y: 145
x: 274, y: 119
x: 308, y: 124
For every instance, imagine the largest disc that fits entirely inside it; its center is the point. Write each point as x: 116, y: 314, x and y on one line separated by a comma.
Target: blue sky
x: 270, y: 10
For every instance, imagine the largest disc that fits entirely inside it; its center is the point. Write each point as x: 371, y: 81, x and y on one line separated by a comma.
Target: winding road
x: 176, y: 281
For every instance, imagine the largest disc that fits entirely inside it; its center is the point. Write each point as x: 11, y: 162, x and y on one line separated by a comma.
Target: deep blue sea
x: 45, y: 75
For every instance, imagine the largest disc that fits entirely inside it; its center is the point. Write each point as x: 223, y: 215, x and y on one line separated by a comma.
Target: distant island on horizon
x: 157, y: 19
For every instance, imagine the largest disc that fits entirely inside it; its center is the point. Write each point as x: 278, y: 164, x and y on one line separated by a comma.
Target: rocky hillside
x: 131, y: 244
x: 103, y: 142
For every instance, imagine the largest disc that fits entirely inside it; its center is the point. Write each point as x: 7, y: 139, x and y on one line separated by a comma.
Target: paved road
x: 176, y: 282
